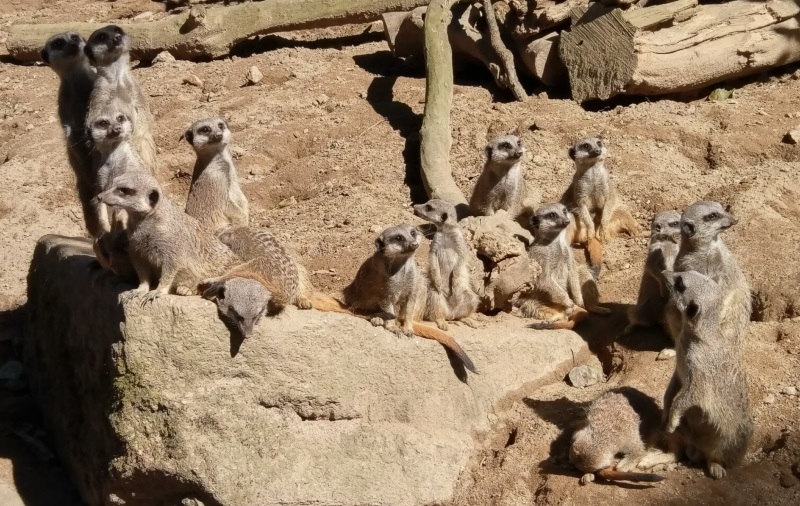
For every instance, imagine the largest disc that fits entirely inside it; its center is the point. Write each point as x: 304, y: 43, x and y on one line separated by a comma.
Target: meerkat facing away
x: 710, y: 408
x: 558, y: 292
x: 450, y: 293
x: 702, y: 250
x: 215, y: 197
x: 63, y: 52
x: 501, y: 184
x: 665, y: 238
x: 621, y: 428
x: 170, y: 251
x: 389, y: 285
x: 108, y: 49
x: 591, y: 196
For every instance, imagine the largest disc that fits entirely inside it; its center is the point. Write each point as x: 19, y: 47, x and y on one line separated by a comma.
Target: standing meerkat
x: 702, y: 250
x: 389, y: 285
x: 665, y: 239
x: 108, y: 49
x: 557, y: 294
x: 63, y: 52
x: 501, y: 184
x: 170, y: 251
x: 215, y: 197
x: 621, y: 428
x: 710, y: 408
x: 450, y: 293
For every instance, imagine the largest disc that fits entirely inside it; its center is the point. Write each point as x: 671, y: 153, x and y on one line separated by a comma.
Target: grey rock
x: 164, y: 57
x: 254, y: 76
x: 792, y: 136
x: 157, y: 404
x: 586, y: 375
x: 666, y: 354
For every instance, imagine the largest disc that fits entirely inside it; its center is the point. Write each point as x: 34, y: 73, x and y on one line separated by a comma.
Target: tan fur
x: 621, y: 421
x: 665, y: 237
x: 64, y: 53
x: 215, y: 197
x: 501, y: 184
x: 706, y: 402
x: 450, y: 294
x: 389, y: 286
x: 108, y: 50
x: 591, y: 196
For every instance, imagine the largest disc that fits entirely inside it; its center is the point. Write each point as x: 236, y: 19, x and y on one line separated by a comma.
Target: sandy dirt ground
x: 327, y: 150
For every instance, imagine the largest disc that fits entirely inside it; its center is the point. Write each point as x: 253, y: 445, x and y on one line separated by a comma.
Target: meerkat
x: 63, y: 52
x: 702, y: 250
x: 665, y: 238
x: 108, y: 49
x: 558, y: 292
x: 389, y: 285
x: 241, y: 301
x: 450, y: 294
x: 170, y: 251
x: 592, y: 199
x: 501, y: 184
x: 710, y: 408
x: 621, y: 428
x: 215, y: 197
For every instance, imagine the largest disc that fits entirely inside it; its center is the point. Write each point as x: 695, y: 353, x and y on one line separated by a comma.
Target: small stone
x: 787, y: 390
x: 769, y: 399
x: 287, y: 202
x: 11, y: 370
x: 29, y: 127
x: 666, y: 354
x: 255, y: 171
x: 163, y: 57
x: 143, y: 16
x: 193, y: 80
x: 792, y: 136
x: 238, y: 152
x: 375, y: 229
x: 585, y: 376
x: 720, y: 94
x: 788, y: 480
x: 363, y: 94
x: 321, y: 99
x: 254, y: 76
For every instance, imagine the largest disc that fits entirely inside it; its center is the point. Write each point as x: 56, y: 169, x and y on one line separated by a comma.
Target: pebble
x: 666, y: 354
x: 254, y: 76
x: 164, y: 57
x: 322, y: 99
x: 769, y: 399
x: 143, y: 16
x: 11, y: 370
x: 375, y: 229
x: 287, y: 202
x: 193, y: 80
x: 792, y: 136
x: 787, y: 390
x: 585, y: 376
x: 238, y: 152
x: 29, y: 127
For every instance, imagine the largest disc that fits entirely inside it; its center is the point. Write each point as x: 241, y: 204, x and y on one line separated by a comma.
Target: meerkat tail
x: 594, y: 251
x: 445, y: 340
x: 328, y: 304
x: 564, y: 324
x: 613, y: 475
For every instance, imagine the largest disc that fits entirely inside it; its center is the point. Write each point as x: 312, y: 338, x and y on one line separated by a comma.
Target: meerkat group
x: 691, y: 285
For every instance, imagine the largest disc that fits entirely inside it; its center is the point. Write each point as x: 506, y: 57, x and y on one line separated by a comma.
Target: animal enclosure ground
x: 327, y: 150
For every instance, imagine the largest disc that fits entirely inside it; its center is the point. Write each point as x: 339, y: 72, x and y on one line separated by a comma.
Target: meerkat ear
x: 488, y: 152
x: 688, y: 228
x: 571, y: 153
x: 88, y: 52
x: 680, y: 286
x: 444, y: 217
x: 378, y: 244
x: 692, y: 309
x: 214, y: 291
x: 153, y: 197
x: 534, y: 222
x: 45, y: 56
x: 189, y: 136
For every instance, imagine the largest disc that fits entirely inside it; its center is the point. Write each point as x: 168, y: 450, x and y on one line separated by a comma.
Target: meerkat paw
x: 667, y: 354
x: 183, y: 291
x: 149, y: 297
x: 377, y: 321
x: 716, y: 471
x: 442, y: 324
x: 469, y: 322
x: 655, y: 458
x: 587, y: 478
x: 303, y: 302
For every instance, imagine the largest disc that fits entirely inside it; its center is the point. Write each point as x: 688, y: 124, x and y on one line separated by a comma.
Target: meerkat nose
x: 117, y: 38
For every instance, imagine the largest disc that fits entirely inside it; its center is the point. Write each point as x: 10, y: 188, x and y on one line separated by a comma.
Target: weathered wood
x: 541, y: 58
x: 506, y: 56
x: 435, y: 134
x: 211, y: 32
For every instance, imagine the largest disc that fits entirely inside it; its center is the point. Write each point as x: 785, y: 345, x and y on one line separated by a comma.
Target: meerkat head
x: 437, y: 211
x: 64, y: 51
x: 111, y: 126
x: 136, y: 192
x: 703, y: 221
x: 549, y: 221
x: 694, y: 294
x: 589, y: 151
x: 106, y: 45
x: 591, y: 452
x: 506, y: 150
x: 211, y: 134
x: 400, y: 241
x: 666, y: 226
x: 241, y: 302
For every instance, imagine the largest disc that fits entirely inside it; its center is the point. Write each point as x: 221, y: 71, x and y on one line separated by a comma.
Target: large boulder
x: 156, y: 404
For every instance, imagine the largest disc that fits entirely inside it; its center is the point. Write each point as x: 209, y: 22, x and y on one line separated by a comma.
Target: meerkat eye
x: 585, y: 146
x: 102, y: 37
x: 551, y: 216
x: 398, y: 238
x: 120, y: 118
x: 599, y: 143
x: 505, y: 145
x: 221, y: 126
x: 429, y: 207
x: 205, y: 130
x: 125, y: 191
x: 75, y: 37
x: 103, y: 123
x: 712, y: 216
x: 674, y: 224
x: 58, y: 44
x: 413, y: 233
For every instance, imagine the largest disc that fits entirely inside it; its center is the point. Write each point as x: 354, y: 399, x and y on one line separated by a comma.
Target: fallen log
x: 435, y: 134
x: 541, y: 59
x: 212, y: 32
x: 676, y: 47
x: 506, y: 56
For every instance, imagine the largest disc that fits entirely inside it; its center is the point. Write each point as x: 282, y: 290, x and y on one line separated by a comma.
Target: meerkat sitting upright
x: 389, y: 285
x: 591, y: 196
x: 501, y: 184
x: 63, y: 52
x: 620, y: 429
x: 710, y: 409
x: 108, y: 49
x: 557, y: 293
x: 170, y: 251
x: 215, y: 197
x: 702, y: 250
x: 450, y: 294
x: 665, y: 238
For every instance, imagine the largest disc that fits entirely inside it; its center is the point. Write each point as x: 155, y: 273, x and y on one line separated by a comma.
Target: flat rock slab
x: 157, y: 405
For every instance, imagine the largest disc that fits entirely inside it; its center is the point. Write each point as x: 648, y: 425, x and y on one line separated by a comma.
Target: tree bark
x: 677, y: 47
x: 435, y: 134
x: 212, y: 32
x: 506, y: 56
